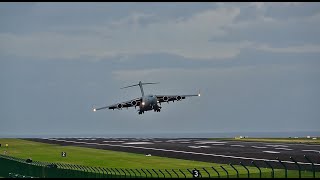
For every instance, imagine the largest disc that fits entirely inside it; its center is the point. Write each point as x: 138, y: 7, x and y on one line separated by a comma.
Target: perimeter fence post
x: 313, y: 169
x: 272, y: 173
x: 128, y: 172
x: 164, y: 176
x: 98, y: 170
x: 183, y: 173
x: 94, y: 171
x: 118, y: 172
x: 206, y: 172
x: 115, y: 173
x: 85, y: 172
x: 106, y: 172
x: 149, y: 173
x: 125, y: 175
x: 246, y: 169
x: 109, y: 173
x: 139, y: 172
x: 155, y: 172
x: 285, y: 167
x: 102, y: 172
x: 252, y: 162
x: 144, y: 172
x: 216, y: 172
x: 168, y: 173
x: 135, y: 176
x: 190, y: 172
x: 175, y: 173
x: 225, y: 171
x: 297, y: 165
x: 235, y: 170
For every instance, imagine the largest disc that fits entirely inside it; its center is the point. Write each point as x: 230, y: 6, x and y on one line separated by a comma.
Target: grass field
x: 280, y: 140
x: 91, y: 157
x: 106, y: 158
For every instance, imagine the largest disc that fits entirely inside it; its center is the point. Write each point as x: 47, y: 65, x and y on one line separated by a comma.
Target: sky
x: 257, y: 66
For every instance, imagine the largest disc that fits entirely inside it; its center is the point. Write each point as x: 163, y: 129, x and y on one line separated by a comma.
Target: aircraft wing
x: 168, y: 98
x: 130, y: 103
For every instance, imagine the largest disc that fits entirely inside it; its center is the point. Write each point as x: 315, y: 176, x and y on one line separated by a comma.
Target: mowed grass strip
x: 92, y: 157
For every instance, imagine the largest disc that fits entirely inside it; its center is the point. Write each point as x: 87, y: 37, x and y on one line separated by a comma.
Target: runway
x: 203, y: 149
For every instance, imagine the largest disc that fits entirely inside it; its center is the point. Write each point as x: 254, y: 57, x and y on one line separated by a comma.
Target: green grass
x: 280, y: 140
x: 105, y: 158
x: 92, y: 157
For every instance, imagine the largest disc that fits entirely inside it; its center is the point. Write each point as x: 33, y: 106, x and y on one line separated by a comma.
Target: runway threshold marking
x: 185, y: 152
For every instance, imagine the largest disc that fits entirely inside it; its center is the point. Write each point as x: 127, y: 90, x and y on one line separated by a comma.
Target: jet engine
x: 178, y: 98
x: 119, y: 106
x: 134, y: 103
x: 165, y: 98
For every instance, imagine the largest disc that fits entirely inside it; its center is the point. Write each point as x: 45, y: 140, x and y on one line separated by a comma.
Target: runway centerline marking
x: 236, y: 145
x: 277, y: 145
x: 259, y: 147
x: 138, y: 143
x: 199, y: 146
x: 270, y: 151
x: 185, y: 152
x: 287, y: 149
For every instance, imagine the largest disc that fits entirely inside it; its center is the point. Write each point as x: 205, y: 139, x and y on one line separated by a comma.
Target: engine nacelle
x: 178, y: 98
x: 165, y: 98
x: 134, y: 103
x: 120, y: 106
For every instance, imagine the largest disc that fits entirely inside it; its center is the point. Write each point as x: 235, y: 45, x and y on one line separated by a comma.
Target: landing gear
x: 158, y: 109
x: 141, y: 112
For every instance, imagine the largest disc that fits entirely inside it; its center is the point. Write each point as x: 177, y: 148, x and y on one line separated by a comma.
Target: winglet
x: 199, y: 93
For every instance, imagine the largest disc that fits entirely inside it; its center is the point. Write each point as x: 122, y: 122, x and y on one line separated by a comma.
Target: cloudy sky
x: 257, y: 65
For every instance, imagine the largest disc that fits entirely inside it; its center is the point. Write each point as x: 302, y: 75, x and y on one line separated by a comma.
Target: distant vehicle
x: 146, y: 102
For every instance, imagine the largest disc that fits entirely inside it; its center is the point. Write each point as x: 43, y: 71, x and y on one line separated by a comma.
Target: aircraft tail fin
x: 140, y: 84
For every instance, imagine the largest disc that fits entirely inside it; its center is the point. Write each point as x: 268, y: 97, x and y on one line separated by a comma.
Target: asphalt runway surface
x: 203, y: 149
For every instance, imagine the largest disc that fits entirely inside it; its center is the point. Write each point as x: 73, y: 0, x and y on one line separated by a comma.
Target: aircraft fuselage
x: 149, y: 102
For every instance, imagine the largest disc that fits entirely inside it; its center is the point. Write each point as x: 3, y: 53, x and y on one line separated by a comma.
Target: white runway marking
x: 210, y: 142
x: 217, y: 144
x: 236, y: 145
x: 311, y: 150
x: 178, y: 140
x: 259, y: 147
x: 198, y: 146
x: 157, y: 141
x: 113, y: 141
x: 186, y: 152
x: 270, y: 151
x: 277, y: 145
x: 138, y: 143
x: 284, y: 149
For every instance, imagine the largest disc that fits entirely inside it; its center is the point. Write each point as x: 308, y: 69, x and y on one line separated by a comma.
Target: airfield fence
x: 14, y: 167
